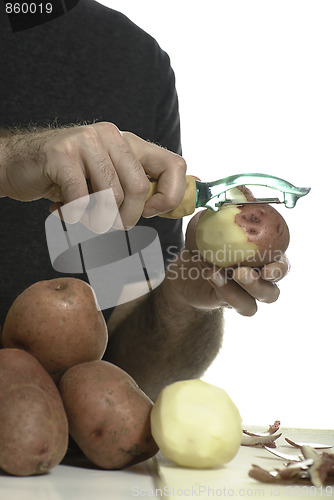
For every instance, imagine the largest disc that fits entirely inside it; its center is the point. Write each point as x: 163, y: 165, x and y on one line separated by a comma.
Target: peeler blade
x: 215, y: 194
x: 264, y: 201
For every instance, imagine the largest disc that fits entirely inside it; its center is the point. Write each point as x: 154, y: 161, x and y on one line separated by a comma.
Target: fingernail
x: 274, y: 275
x: 244, y: 276
x: 150, y: 212
x: 218, y: 279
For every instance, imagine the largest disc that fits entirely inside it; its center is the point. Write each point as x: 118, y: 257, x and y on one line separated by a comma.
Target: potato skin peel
x: 108, y: 414
x: 33, y: 424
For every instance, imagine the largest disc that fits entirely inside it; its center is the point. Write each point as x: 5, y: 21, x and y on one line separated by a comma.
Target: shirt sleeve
x: 167, y: 124
x: 167, y: 134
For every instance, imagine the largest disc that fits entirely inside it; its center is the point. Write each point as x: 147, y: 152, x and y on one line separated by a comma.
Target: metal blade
x: 254, y: 202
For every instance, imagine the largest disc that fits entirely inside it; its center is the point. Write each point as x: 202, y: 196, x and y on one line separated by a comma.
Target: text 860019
x: 28, y: 8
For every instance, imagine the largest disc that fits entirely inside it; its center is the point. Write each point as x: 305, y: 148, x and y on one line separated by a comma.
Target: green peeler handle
x: 213, y: 194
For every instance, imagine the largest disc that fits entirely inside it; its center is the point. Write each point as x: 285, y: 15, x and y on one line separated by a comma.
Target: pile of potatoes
x: 53, y: 383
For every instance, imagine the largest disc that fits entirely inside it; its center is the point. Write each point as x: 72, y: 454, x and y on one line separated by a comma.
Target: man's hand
x: 66, y: 164
x: 193, y: 282
x: 175, y: 332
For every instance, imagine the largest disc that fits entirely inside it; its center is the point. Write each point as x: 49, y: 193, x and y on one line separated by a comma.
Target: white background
x: 256, y: 87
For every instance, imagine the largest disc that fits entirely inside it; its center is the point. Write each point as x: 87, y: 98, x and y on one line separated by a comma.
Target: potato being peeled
x: 246, y: 234
x: 196, y: 424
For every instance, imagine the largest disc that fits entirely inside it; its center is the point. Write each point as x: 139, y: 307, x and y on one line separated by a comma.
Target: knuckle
x: 171, y: 200
x: 89, y: 134
x: 129, y: 136
x: 178, y: 165
x: 110, y: 130
x: 98, y: 133
x: 181, y: 164
x: 69, y: 147
x: 142, y: 186
x: 63, y: 152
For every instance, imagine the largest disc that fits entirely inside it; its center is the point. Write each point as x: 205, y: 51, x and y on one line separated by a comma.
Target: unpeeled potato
x: 33, y: 424
x: 108, y: 414
x: 58, y: 322
x: 196, y: 424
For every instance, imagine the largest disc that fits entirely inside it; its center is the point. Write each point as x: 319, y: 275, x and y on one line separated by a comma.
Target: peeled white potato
x: 196, y: 424
x: 221, y: 241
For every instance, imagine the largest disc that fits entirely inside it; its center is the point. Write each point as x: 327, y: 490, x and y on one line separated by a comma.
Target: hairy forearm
x: 18, y: 148
x: 21, y: 158
x: 161, y: 341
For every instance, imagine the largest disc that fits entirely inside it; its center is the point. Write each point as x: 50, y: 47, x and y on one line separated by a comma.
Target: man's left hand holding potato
x: 176, y: 331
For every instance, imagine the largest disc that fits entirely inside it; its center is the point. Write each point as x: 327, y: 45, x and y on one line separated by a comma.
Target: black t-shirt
x: 91, y: 64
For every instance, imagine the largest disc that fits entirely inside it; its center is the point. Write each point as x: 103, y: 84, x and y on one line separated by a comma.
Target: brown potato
x: 108, y: 414
x: 58, y: 322
x: 246, y: 234
x: 33, y: 424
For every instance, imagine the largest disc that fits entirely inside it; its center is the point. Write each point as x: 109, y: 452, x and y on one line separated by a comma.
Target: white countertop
x: 76, y: 480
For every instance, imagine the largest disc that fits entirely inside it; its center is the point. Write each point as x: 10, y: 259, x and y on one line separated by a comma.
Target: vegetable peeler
x: 215, y: 194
